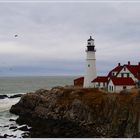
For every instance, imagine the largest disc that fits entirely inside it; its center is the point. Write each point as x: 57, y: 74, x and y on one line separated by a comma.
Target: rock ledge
x: 78, y: 112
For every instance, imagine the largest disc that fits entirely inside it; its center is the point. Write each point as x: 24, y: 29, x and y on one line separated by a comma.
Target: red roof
x: 101, y: 79
x: 116, y: 69
x: 79, y: 81
x: 79, y: 78
x: 122, y: 81
x: 138, y: 77
x: 134, y: 69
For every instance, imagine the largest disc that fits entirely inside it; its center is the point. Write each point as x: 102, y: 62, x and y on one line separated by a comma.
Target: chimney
x: 128, y: 62
x: 139, y: 63
x: 119, y: 64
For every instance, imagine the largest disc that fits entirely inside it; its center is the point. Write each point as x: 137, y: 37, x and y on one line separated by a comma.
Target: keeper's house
x: 122, y: 77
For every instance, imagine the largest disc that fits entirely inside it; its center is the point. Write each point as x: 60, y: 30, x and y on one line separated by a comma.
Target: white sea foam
x: 5, y: 122
x: 6, y: 103
x: 5, y: 115
x: 11, y: 94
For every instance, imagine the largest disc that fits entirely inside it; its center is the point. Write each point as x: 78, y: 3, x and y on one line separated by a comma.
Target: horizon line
x: 71, y: 1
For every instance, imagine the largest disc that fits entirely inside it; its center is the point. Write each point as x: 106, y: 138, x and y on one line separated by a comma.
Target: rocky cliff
x: 78, y: 112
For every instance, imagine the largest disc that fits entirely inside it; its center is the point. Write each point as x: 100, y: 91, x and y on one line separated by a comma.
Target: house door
x: 124, y: 87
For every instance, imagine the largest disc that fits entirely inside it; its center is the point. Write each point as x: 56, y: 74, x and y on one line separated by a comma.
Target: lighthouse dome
x: 90, y: 39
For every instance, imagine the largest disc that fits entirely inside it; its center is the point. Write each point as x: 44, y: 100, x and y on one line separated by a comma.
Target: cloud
x: 52, y: 36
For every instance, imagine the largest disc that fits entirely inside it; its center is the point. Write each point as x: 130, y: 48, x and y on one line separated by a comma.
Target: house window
x: 124, y: 87
x: 124, y: 68
x: 112, y: 88
x: 122, y: 75
x: 127, y: 74
x: 98, y: 84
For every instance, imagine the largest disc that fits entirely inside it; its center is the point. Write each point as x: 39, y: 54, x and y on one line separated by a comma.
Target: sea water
x: 17, y: 85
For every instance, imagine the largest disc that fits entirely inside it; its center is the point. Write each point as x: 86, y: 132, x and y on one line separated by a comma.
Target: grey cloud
x: 52, y: 32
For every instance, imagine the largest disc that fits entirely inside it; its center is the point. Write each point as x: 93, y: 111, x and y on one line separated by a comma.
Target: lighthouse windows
x: 88, y: 65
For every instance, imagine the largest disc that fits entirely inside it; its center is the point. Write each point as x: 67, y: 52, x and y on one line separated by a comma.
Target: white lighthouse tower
x: 90, y: 63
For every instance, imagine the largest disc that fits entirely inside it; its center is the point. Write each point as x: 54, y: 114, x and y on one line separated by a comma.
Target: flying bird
x: 16, y: 35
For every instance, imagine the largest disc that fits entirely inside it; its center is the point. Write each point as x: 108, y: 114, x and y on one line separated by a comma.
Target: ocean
x: 21, y: 85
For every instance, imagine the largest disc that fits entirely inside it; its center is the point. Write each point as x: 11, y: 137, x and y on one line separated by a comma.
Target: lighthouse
x: 90, y: 63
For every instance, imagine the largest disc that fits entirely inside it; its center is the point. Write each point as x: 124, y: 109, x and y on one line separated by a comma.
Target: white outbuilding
x: 117, y: 84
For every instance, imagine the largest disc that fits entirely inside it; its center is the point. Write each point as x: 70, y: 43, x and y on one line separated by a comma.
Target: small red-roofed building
x: 100, y: 82
x: 79, y: 82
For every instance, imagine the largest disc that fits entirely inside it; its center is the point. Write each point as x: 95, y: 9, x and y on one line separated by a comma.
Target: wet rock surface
x: 16, y: 96
x: 15, y: 131
x: 13, y: 127
x: 1, y: 136
x: 3, y: 96
x: 12, y: 120
x: 7, y: 136
x: 77, y: 112
x: 13, y: 96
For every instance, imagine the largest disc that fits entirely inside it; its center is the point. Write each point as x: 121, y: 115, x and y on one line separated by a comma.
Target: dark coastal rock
x: 25, y: 135
x: 41, y: 91
x: 6, y: 136
x: 2, y: 136
x: 13, y: 127
x: 78, y: 112
x: 6, y: 126
x: 3, y: 96
x: 12, y: 120
x: 16, y: 96
x: 23, y: 128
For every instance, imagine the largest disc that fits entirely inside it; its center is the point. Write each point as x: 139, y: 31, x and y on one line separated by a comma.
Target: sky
x: 52, y: 36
